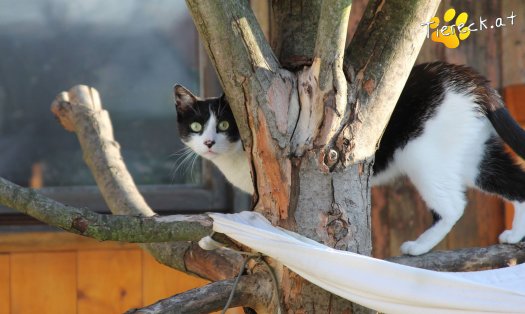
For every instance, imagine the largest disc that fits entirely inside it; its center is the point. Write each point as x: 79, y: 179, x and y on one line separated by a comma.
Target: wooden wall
x: 57, y: 272
x: 398, y: 213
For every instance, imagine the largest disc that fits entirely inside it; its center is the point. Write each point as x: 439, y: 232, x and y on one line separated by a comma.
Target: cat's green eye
x: 196, y: 127
x: 224, y: 125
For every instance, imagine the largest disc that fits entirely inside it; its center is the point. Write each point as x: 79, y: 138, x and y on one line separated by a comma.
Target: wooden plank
x: 5, y: 285
x: 380, y: 226
x: 53, y: 241
x: 482, y: 49
x: 509, y: 215
x: 109, y: 281
x: 514, y: 96
x: 513, y: 46
x: 161, y: 282
x: 43, y: 282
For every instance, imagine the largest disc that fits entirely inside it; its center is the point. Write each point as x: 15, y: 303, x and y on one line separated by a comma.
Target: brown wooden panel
x: 509, y: 215
x: 514, y: 98
x: 481, y: 49
x: 53, y: 241
x: 161, y: 282
x: 43, y: 282
x: 513, y: 46
x: 5, y: 289
x: 109, y: 281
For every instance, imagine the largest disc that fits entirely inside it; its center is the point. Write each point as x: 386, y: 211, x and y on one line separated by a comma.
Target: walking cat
x: 446, y: 133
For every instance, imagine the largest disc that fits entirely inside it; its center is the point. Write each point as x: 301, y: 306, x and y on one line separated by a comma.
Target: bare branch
x: 377, y: 64
x: 331, y: 38
x: 104, y: 227
x: 80, y: 111
x: 495, y: 256
x: 251, y: 291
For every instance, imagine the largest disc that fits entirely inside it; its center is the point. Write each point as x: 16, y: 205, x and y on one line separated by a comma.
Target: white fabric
x: 377, y: 284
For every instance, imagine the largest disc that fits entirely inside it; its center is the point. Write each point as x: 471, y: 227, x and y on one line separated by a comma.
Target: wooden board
x: 43, y: 282
x: 109, y: 281
x: 53, y: 241
x: 5, y: 292
x: 513, y: 46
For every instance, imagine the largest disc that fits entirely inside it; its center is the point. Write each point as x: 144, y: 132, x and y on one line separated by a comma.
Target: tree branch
x: 378, y: 61
x: 251, y: 291
x: 80, y: 111
x: 470, y: 259
x: 104, y: 227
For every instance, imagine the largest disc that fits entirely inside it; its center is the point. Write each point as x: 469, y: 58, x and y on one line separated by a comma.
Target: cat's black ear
x: 223, y: 99
x: 184, y: 99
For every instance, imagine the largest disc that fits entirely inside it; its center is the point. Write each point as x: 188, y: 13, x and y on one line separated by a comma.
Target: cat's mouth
x: 210, y: 154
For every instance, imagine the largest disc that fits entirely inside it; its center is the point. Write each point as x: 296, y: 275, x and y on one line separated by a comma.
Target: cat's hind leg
x: 499, y: 174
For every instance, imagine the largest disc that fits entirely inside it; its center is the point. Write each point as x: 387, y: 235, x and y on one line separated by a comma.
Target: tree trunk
x: 310, y: 127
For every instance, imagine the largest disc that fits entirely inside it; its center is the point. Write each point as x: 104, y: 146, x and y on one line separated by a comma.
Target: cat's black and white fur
x: 446, y: 134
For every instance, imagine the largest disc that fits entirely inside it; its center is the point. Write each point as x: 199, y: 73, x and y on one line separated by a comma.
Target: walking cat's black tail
x: 508, y: 129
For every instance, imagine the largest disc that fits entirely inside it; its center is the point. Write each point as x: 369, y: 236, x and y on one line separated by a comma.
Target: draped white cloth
x: 377, y: 284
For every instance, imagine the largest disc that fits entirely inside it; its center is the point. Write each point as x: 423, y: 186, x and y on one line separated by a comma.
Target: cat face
x: 206, y: 126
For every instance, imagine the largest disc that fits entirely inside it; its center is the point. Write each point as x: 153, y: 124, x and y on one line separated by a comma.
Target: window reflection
x: 131, y: 51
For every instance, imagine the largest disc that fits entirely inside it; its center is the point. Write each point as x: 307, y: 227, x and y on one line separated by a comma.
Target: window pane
x: 131, y: 51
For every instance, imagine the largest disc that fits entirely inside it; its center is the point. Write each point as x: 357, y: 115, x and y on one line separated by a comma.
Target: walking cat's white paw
x: 510, y: 236
x: 414, y: 248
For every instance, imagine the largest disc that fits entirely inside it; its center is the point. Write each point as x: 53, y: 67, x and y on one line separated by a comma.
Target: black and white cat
x: 446, y: 134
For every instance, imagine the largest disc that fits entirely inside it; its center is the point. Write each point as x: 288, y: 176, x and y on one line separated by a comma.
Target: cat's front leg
x: 431, y: 237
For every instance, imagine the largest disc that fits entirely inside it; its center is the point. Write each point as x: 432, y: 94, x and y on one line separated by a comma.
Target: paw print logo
x: 450, y: 35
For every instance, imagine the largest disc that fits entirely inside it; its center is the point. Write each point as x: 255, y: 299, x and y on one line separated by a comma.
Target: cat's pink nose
x: 209, y: 143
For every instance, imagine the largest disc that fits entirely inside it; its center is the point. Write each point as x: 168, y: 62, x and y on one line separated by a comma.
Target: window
x: 132, y: 52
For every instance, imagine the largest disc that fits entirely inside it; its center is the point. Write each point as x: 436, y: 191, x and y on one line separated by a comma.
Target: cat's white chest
x: 236, y: 169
